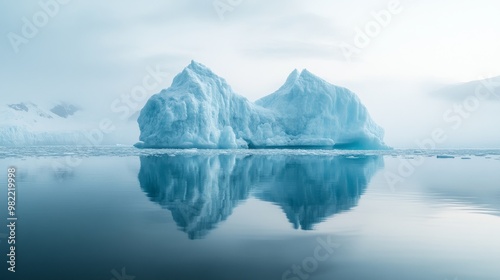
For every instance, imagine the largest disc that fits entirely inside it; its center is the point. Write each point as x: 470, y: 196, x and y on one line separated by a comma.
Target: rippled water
x: 111, y: 212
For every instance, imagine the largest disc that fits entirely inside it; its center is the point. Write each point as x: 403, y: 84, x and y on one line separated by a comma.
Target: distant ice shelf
x: 27, y: 124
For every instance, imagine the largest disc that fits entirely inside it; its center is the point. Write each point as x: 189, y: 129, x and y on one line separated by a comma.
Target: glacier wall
x: 26, y: 124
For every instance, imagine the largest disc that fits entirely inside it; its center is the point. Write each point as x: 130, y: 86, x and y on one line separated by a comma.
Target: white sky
x: 91, y: 52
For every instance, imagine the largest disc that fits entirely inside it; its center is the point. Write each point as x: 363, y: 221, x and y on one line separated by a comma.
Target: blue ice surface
x: 200, y: 110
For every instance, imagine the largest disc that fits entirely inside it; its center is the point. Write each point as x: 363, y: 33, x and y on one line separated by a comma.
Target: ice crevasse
x: 200, y: 110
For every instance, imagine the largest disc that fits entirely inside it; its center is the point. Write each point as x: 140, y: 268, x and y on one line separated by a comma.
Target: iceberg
x: 316, y: 113
x: 200, y: 110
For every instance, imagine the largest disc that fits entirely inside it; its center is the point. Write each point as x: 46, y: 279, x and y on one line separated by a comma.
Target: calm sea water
x: 125, y: 214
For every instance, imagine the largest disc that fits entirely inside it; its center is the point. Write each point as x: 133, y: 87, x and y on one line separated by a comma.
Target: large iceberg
x: 200, y: 110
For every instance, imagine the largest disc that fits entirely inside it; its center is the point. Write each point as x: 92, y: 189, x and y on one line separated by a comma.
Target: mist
x: 96, y: 54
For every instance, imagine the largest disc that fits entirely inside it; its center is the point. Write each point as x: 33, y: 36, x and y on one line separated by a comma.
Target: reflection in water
x: 201, y: 191
x: 310, y: 189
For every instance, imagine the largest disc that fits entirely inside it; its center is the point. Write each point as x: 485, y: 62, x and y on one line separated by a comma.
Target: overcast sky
x: 92, y: 52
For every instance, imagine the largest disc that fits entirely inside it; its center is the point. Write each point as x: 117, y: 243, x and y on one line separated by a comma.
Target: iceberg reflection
x: 201, y: 191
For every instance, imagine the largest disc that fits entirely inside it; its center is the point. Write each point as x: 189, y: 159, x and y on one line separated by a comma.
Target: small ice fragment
x: 444, y: 156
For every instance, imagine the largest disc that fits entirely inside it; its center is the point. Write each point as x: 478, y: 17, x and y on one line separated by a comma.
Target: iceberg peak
x: 293, y: 76
x: 305, y: 74
x: 292, y: 79
x: 302, y: 79
x: 197, y: 75
x: 199, y: 68
x: 296, y: 76
x: 308, y: 79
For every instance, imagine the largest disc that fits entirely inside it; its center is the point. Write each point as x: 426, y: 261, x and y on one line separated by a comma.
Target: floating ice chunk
x: 444, y: 156
x: 201, y: 110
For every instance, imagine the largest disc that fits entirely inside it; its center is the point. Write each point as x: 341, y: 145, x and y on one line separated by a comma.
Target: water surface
x: 202, y: 214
